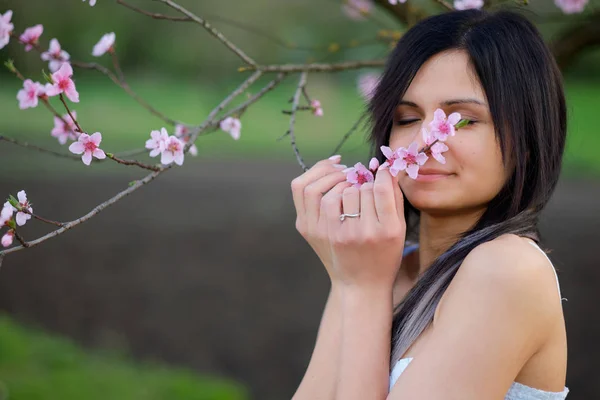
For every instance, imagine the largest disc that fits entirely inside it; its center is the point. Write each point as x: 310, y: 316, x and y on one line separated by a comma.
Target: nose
x: 418, y: 137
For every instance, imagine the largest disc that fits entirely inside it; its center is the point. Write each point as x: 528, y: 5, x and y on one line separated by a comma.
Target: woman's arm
x: 320, y: 378
x: 366, y: 342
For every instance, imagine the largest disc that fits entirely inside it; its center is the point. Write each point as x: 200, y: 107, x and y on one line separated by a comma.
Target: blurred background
x: 198, y: 286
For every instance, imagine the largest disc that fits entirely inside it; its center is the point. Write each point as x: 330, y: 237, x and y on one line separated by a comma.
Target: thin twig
x: 125, y: 87
x: 154, y: 15
x: 62, y: 99
x: 133, y: 162
x: 40, y: 149
x: 445, y: 4
x: 347, y: 135
x: 318, y: 67
x: 117, y: 66
x: 20, y: 239
x: 301, y: 84
x: 215, y: 124
x: 211, y: 116
x: 48, y: 221
x: 211, y: 30
x: 69, y: 225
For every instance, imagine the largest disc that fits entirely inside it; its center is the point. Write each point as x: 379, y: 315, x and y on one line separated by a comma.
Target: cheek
x: 480, y: 166
x: 403, y: 137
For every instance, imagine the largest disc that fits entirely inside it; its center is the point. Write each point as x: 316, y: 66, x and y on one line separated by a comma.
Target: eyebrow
x: 446, y: 102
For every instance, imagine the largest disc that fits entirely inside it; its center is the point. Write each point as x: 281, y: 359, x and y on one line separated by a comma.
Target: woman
x: 474, y: 312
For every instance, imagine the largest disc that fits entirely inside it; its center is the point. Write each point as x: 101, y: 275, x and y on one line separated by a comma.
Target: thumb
x: 399, y: 197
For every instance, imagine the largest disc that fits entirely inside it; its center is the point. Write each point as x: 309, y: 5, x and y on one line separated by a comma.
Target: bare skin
x: 501, y: 318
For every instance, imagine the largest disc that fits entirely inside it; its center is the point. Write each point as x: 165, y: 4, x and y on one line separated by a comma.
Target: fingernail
x: 347, y: 170
x: 337, y: 157
x: 382, y: 166
x: 340, y: 166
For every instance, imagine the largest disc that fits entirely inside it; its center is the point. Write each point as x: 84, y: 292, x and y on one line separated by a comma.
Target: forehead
x: 445, y: 75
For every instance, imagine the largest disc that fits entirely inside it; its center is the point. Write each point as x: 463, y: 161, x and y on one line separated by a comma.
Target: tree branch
x: 317, y: 67
x: 69, y: 225
x: 295, y: 101
x: 211, y: 30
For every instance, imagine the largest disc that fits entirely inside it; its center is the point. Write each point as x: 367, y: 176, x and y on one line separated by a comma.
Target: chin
x: 429, y: 200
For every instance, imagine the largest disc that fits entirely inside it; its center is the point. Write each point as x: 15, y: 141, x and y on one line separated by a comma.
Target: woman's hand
x: 367, y: 250
x: 308, y: 190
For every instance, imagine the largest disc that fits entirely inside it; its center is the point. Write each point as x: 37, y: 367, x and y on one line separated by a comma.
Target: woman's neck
x: 437, y: 233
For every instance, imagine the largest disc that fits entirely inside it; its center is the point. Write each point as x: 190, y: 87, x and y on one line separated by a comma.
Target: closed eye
x: 406, y: 122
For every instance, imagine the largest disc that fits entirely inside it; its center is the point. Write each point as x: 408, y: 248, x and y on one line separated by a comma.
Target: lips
x: 424, y: 171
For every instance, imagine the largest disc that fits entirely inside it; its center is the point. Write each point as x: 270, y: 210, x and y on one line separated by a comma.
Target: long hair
x: 524, y: 90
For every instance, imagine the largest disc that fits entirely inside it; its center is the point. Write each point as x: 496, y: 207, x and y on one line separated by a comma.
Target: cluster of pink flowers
x: 571, y: 6
x: 6, y: 216
x: 367, y: 83
x: 357, y: 9
x: 233, y: 126
x: 317, y: 110
x: 6, y: 28
x: 105, y: 45
x: 410, y: 159
x: 468, y: 4
x: 170, y: 148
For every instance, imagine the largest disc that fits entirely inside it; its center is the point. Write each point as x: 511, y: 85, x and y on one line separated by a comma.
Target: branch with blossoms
x: 172, y: 149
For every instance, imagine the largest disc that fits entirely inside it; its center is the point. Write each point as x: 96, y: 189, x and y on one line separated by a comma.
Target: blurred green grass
x: 37, y: 366
x: 126, y: 125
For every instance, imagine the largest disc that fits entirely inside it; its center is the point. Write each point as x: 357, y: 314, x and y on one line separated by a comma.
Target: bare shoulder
x: 507, y: 274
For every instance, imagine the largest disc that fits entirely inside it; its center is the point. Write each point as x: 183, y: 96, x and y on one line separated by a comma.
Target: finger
x: 384, y: 195
x: 331, y: 206
x: 318, y: 170
x: 351, y: 204
x: 368, y: 215
x: 399, y: 199
x: 314, y: 192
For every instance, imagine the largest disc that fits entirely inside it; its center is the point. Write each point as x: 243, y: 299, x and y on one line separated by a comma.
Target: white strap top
x: 517, y: 391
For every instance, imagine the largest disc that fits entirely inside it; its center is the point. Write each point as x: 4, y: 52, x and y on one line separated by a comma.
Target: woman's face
x: 473, y: 173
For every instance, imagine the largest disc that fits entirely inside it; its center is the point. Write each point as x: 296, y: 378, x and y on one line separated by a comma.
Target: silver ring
x: 343, y: 216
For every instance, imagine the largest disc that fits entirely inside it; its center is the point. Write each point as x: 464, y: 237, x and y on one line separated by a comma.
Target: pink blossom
x: 8, y: 237
x: 63, y: 83
x: 233, y: 126
x: 358, y: 175
x: 64, y: 128
x: 357, y: 9
x: 441, y: 127
x: 571, y: 6
x: 55, y: 55
x: 22, y: 217
x: 391, y: 156
x: 31, y: 36
x: 173, y: 151
x: 105, y: 44
x: 367, y: 83
x: 183, y: 133
x: 6, y: 28
x: 467, y: 4
x: 6, y: 213
x: 374, y: 164
x: 316, y: 107
x: 28, y: 96
x: 395, y: 2
x: 409, y: 160
x: 89, y: 146
x: 157, y: 142
x: 92, y: 2
x: 437, y: 149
